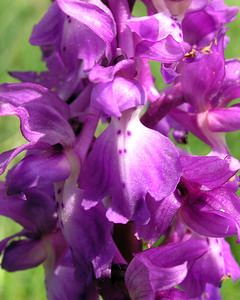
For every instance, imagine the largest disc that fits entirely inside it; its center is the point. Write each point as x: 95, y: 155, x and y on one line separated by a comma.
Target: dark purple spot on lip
x: 120, y: 151
x: 61, y: 223
x: 64, y: 48
x: 180, y: 35
x: 125, y: 150
x: 129, y: 133
x: 173, y: 25
x: 119, y: 132
x: 124, y: 185
x: 62, y: 205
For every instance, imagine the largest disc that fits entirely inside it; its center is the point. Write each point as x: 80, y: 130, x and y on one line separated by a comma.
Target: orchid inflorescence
x: 127, y: 213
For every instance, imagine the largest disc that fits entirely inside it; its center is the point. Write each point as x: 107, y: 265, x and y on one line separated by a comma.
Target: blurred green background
x: 16, y: 21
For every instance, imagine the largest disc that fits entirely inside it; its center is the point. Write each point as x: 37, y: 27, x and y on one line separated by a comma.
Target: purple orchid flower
x: 205, y: 114
x: 90, y: 204
x: 39, y: 242
x: 206, y: 202
x: 214, y: 15
x: 161, y: 271
x: 66, y: 39
x: 165, y: 45
x: 213, y: 207
x: 129, y: 185
x: 55, y: 153
x: 192, y: 15
x: 39, y: 111
x: 154, y: 273
x: 206, y: 111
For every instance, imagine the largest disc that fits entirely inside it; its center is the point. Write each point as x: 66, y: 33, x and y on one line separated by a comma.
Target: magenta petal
x: 231, y: 85
x: 161, y: 216
x: 224, y: 119
x: 43, y: 116
x: 8, y: 156
x: 155, y: 27
x: 190, y: 122
x: 232, y: 71
x: 4, y: 242
x: 125, y: 68
x: 159, y: 38
x: 207, y: 223
x: 211, y: 268
x: 214, y: 213
x: 80, y: 42
x: 221, y: 13
x: 144, y: 280
x: 34, y: 210
x: 89, y: 234
x: 62, y: 282
x: 13, y: 207
x: 93, y: 14
x: 199, y: 89
x: 209, y: 171
x: 161, y: 268
x: 232, y: 268
x: 39, y: 169
x: 24, y: 254
x: 112, y: 98
x: 172, y: 294
x: 165, y: 51
x: 127, y: 162
x: 193, y: 31
x: 47, y: 30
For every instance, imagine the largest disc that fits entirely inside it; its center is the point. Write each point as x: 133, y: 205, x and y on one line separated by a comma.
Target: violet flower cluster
x: 125, y: 214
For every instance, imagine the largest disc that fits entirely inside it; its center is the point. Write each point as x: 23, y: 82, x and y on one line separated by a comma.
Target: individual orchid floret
x: 198, y: 103
x: 162, y: 214
x: 158, y: 37
x: 192, y: 15
x: 56, y: 78
x: 186, y: 266
x: 138, y: 69
x: 86, y: 21
x: 214, y: 15
x: 23, y: 209
x: 62, y: 282
x: 209, y: 205
x: 154, y: 273
x: 43, y: 117
x: 211, y: 269
x: 209, y: 116
x: 205, y: 200
x: 41, y: 168
x: 41, y: 240
x: 115, y: 152
x: 174, y: 27
x: 73, y: 36
x: 89, y: 235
